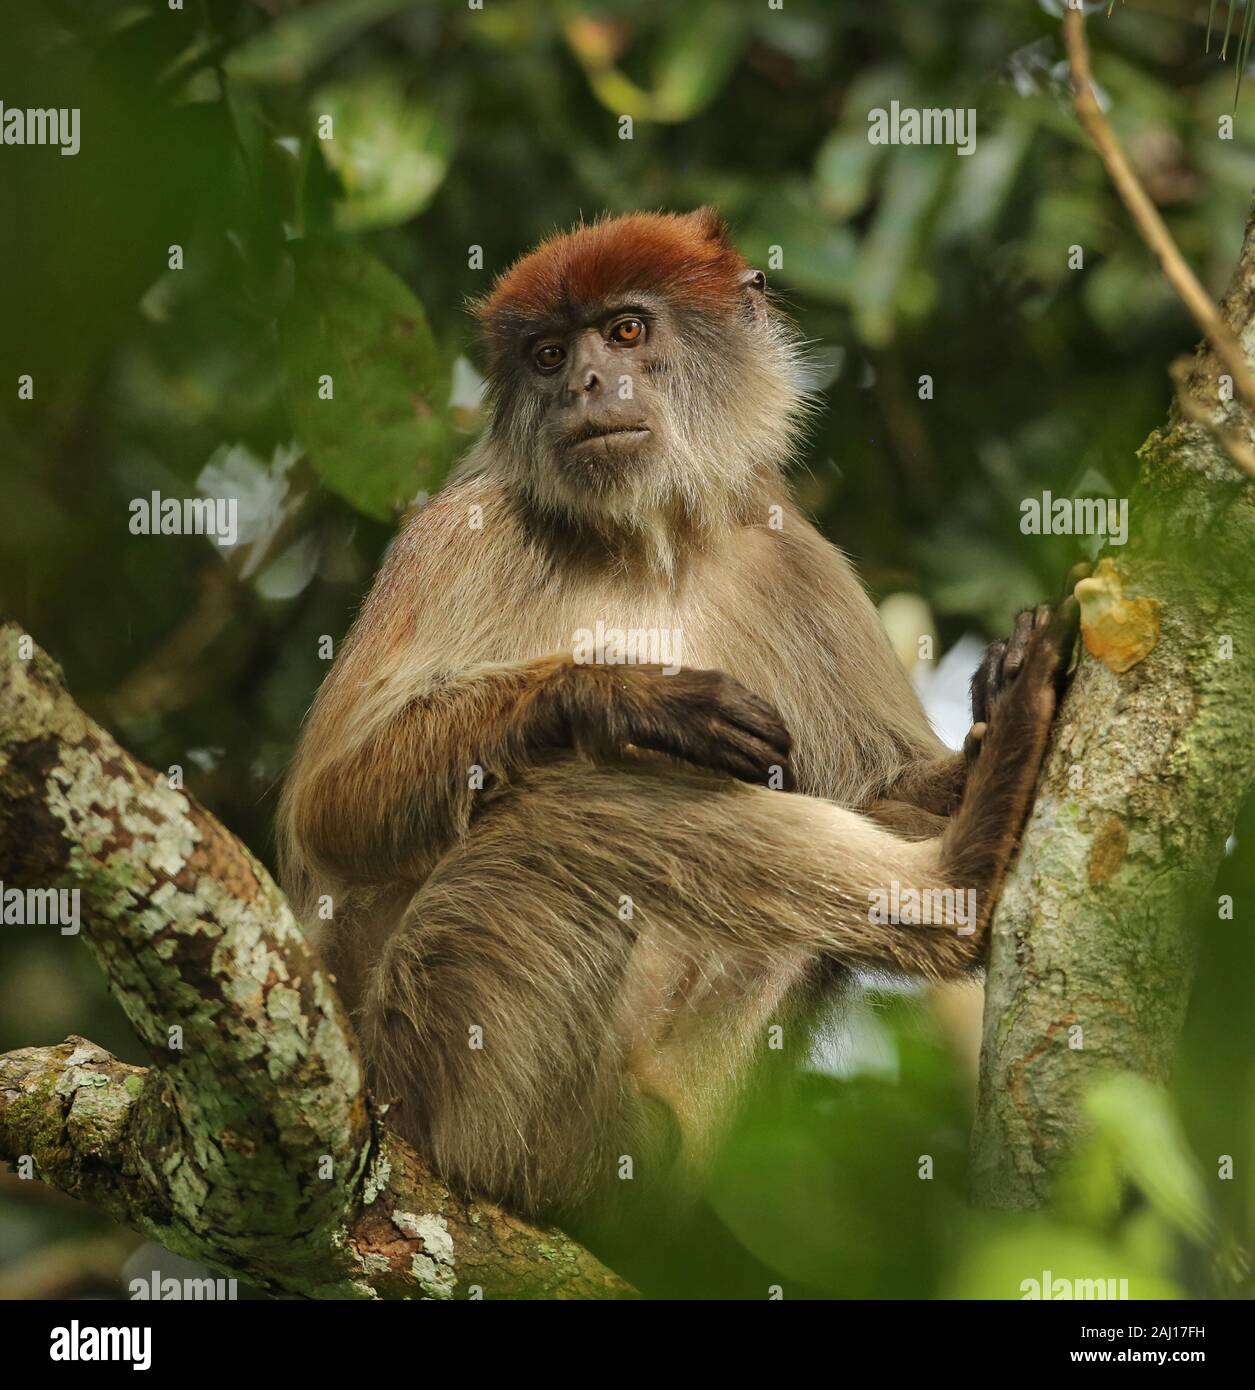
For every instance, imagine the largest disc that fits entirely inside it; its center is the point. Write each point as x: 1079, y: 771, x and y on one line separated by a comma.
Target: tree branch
x: 251, y: 1144
x: 1150, y: 225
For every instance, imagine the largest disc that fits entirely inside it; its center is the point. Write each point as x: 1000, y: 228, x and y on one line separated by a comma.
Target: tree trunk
x: 1153, y: 753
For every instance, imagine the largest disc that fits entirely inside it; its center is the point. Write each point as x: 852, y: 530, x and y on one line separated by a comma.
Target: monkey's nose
x: 592, y: 381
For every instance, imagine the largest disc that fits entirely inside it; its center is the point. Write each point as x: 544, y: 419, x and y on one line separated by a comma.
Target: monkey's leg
x: 918, y: 801
x: 607, y: 937
x: 982, y: 834
x: 936, y: 787
x: 593, y: 919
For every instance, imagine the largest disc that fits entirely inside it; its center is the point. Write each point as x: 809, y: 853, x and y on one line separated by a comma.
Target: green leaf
x: 698, y: 54
x: 1065, y: 217
x: 984, y: 180
x: 817, y: 256
x: 1124, y: 299
x: 290, y: 48
x: 384, y: 435
x: 389, y: 150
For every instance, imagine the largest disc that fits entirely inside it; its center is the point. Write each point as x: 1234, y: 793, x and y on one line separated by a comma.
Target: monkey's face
x: 635, y: 404
x: 600, y: 417
x: 636, y: 373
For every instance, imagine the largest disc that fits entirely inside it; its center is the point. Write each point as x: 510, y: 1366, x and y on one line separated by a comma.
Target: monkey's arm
x: 934, y: 787
x: 382, y: 797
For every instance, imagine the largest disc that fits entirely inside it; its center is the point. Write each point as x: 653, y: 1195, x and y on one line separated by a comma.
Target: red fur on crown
x: 689, y: 257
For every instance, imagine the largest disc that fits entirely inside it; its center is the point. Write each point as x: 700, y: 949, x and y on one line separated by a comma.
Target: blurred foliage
x: 458, y: 136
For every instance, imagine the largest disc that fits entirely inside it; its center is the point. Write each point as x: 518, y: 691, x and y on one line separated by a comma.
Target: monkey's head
x: 636, y: 370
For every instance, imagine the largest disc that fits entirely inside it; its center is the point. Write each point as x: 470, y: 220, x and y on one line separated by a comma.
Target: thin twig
x: 1146, y: 216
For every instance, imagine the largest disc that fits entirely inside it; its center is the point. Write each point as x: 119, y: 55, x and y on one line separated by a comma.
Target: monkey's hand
x: 1003, y: 660
x: 704, y: 717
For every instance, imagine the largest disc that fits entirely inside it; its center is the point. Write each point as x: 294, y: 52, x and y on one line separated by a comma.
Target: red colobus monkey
x: 617, y: 753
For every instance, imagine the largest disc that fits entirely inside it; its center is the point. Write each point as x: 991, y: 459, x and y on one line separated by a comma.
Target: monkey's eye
x: 550, y: 356
x: 628, y: 331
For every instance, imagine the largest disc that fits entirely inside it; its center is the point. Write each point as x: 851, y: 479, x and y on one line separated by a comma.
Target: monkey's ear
x: 710, y: 226
x: 753, y: 285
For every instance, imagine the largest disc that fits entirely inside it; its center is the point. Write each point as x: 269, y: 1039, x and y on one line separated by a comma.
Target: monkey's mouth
x: 606, y: 439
